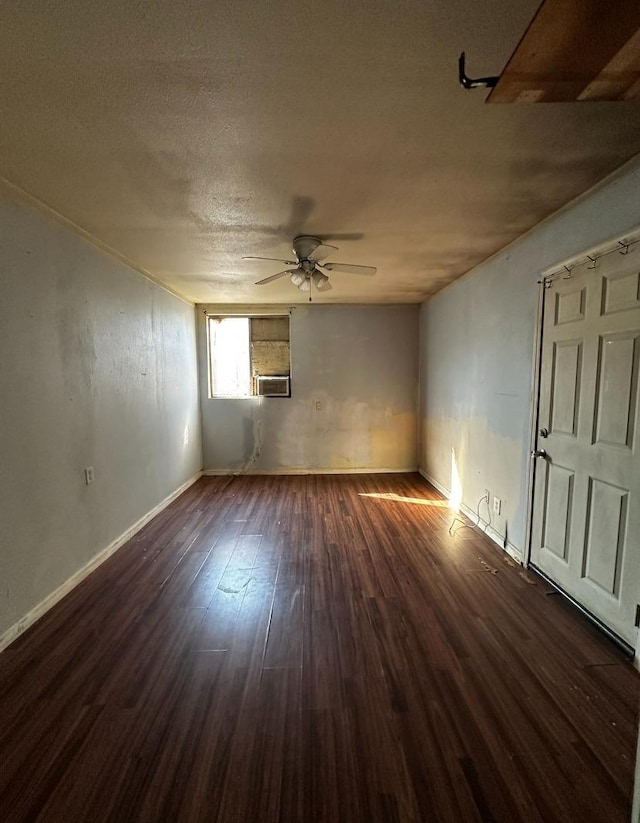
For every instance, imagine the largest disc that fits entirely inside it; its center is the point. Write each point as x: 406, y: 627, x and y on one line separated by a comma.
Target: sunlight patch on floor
x: 398, y: 498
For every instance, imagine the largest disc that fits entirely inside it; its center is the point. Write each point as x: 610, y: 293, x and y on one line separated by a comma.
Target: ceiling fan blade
x: 274, y: 260
x: 272, y: 278
x: 322, y: 251
x: 350, y: 268
x: 301, y: 208
x: 354, y: 235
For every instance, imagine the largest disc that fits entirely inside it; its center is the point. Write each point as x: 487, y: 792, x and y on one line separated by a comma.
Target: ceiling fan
x: 309, y: 251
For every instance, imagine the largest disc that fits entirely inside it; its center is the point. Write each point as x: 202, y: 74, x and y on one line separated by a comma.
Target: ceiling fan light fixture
x: 309, y: 271
x: 319, y: 279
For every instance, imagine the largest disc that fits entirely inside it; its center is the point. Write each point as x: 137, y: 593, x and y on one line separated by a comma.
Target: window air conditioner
x: 273, y: 386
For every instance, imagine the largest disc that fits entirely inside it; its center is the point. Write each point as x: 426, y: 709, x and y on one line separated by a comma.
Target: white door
x: 586, y: 512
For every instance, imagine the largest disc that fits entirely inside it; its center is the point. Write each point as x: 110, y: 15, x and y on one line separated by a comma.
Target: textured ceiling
x: 185, y: 135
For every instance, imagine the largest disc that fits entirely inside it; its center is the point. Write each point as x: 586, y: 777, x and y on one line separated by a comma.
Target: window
x: 249, y: 356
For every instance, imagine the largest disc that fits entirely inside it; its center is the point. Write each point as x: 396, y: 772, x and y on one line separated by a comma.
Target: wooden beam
x: 575, y: 50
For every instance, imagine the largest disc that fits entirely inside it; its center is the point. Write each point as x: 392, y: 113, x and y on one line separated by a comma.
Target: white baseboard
x: 481, y: 524
x: 50, y: 600
x: 444, y: 491
x: 232, y: 473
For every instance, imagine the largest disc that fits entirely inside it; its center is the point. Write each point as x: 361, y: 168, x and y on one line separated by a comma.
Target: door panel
x: 565, y: 386
x: 586, y: 511
x: 570, y: 306
x: 618, y: 374
x: 620, y: 291
x: 558, y: 506
x: 606, y: 535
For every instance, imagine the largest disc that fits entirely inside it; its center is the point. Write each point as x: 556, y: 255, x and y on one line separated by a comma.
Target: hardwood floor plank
x: 286, y: 628
x: 314, y: 649
x: 219, y: 624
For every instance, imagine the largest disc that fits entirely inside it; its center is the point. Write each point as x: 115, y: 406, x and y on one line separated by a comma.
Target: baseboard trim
x: 483, y: 525
x: 443, y: 491
x: 14, y: 631
x: 231, y: 473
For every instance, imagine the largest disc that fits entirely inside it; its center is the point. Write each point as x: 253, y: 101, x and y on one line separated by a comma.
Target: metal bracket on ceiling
x: 473, y: 82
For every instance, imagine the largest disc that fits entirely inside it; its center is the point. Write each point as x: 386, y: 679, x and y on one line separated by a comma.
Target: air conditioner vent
x: 273, y: 386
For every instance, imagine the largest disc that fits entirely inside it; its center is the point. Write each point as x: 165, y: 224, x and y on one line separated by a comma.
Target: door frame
x: 615, y: 245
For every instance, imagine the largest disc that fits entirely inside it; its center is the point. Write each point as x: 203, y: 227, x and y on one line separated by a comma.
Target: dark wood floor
x: 314, y: 649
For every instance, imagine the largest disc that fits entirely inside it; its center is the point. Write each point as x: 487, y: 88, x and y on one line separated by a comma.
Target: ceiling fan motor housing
x: 305, y: 245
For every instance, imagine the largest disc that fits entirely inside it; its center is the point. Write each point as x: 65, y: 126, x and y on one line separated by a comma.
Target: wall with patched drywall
x: 98, y: 369
x: 359, y: 364
x: 477, y: 354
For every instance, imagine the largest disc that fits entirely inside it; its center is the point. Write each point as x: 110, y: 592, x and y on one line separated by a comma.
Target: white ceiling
x: 185, y: 135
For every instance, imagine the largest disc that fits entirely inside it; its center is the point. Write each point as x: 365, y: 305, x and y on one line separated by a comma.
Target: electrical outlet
x: 89, y: 475
x: 497, y: 506
x: 318, y: 405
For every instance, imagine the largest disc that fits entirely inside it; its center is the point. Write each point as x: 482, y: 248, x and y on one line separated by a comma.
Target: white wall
x: 477, y: 353
x: 98, y: 369
x: 360, y: 363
